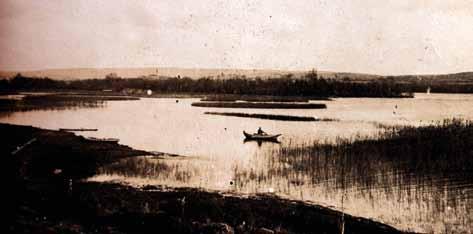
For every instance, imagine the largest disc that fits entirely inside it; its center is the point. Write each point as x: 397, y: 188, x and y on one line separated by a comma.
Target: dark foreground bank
x: 48, y: 195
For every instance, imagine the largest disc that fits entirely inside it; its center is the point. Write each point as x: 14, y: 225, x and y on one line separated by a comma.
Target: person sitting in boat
x: 261, y: 132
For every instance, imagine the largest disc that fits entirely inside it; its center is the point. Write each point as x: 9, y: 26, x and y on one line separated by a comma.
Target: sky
x: 366, y: 36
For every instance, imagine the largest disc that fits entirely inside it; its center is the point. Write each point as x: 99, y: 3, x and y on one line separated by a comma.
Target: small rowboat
x: 110, y: 140
x: 261, y: 137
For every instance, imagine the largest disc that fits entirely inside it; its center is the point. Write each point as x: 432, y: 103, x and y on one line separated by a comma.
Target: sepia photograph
x: 237, y: 116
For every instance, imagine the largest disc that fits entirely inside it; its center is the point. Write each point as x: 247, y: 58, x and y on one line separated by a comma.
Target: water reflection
x: 260, y: 142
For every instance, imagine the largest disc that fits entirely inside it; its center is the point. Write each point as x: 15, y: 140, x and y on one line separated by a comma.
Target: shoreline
x: 198, y: 95
x: 47, y: 177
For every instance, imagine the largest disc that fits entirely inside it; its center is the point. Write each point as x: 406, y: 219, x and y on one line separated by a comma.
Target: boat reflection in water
x: 260, y: 142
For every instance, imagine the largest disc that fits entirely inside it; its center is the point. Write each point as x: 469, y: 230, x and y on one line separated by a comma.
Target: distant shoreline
x: 309, y: 85
x: 130, y: 72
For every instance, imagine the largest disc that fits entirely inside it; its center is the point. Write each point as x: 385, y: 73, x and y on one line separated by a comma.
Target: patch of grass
x: 260, y: 105
x: 270, y: 117
x: 261, y: 98
x: 57, y: 102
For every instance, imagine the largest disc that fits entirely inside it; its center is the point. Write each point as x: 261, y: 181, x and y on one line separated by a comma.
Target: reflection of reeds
x: 264, y: 105
x: 271, y: 117
x: 145, y: 167
x: 137, y: 166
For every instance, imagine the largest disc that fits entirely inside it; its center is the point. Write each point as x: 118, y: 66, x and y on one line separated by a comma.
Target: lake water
x: 217, y: 158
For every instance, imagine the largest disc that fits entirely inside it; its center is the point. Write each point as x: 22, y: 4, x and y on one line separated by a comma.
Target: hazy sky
x: 372, y: 36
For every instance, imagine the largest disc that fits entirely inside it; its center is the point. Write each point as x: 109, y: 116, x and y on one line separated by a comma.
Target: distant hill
x: 88, y: 73
x: 459, y: 78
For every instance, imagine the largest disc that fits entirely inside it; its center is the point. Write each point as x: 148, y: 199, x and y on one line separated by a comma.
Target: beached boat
x: 112, y: 140
x: 262, y: 137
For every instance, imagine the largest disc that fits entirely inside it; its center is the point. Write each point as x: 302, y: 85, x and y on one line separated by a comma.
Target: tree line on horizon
x: 310, y: 84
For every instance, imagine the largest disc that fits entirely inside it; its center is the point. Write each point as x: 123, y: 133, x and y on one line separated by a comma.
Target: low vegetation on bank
x: 57, y: 102
x: 260, y: 98
x: 271, y: 117
x: 260, y: 105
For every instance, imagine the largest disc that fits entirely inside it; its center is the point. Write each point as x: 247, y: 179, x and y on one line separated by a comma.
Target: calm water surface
x: 216, y: 158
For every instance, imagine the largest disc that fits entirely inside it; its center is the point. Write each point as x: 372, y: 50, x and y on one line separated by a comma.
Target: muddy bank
x: 73, y: 155
x: 49, y: 196
x: 113, y: 208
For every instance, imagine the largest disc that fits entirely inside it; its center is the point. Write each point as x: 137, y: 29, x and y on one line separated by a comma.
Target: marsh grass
x: 148, y: 167
x: 441, y: 150
x: 271, y: 117
x: 57, y: 102
x: 137, y: 166
x: 418, y: 173
x: 260, y: 105
x: 399, y: 158
x: 260, y: 98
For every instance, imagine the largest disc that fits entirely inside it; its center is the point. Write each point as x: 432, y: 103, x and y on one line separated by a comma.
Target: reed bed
x: 260, y: 98
x: 57, y: 102
x: 148, y: 167
x: 137, y: 166
x: 264, y: 116
x: 271, y: 117
x: 30, y: 105
x: 441, y: 150
x: 428, y: 167
x: 396, y: 159
x: 260, y: 105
